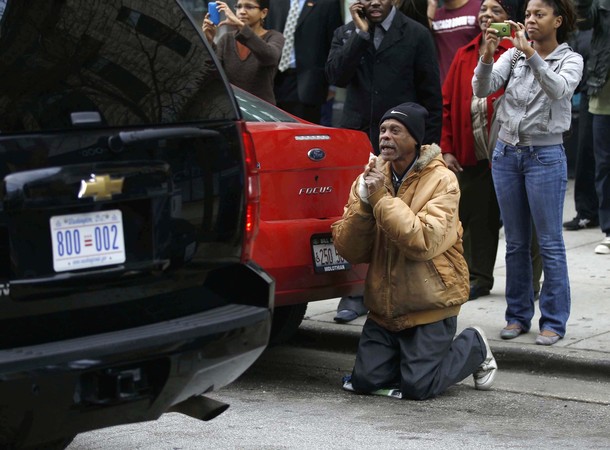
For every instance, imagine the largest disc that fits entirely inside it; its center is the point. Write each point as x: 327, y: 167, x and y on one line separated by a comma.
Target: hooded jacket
x: 412, y: 242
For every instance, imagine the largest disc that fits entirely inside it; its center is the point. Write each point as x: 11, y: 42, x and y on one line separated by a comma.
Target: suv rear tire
x: 286, y: 321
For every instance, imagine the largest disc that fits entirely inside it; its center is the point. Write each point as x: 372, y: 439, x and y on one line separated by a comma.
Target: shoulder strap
x: 513, y: 63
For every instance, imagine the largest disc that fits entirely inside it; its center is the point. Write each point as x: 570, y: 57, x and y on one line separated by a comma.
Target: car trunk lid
x: 307, y: 173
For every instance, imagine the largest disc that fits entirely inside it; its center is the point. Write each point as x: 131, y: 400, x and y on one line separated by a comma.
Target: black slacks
x: 422, y: 361
x: 480, y: 216
x: 585, y: 195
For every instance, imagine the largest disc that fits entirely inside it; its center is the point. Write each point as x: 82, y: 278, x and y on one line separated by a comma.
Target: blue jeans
x: 531, y: 183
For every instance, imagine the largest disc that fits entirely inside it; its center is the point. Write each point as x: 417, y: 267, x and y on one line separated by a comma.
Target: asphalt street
x: 544, y: 397
x: 291, y: 398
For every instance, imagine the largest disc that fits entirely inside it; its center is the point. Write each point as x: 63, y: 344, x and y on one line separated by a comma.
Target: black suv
x: 129, y: 202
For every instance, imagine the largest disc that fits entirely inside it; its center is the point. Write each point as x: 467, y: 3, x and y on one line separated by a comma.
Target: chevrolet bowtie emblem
x: 100, y: 187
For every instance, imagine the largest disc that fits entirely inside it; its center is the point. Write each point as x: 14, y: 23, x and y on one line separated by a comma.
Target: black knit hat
x: 411, y: 115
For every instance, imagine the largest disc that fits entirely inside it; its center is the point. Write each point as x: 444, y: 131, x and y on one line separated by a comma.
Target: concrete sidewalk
x: 585, y: 350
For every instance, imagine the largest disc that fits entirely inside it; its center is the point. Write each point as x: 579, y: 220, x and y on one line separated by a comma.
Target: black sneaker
x: 580, y: 223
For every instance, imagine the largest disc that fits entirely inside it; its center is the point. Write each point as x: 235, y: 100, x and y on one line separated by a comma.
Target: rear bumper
x: 67, y: 387
x: 156, y: 339
x: 283, y: 248
x: 297, y: 285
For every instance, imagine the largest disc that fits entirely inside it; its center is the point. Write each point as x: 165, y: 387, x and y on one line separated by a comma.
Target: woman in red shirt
x: 464, y: 143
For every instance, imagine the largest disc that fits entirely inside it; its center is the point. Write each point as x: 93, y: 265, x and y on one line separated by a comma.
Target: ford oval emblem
x: 316, y: 154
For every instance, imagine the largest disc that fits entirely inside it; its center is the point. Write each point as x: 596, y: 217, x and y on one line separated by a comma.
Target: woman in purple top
x: 250, y: 54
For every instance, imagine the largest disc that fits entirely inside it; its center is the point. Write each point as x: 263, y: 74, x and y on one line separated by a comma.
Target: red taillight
x: 252, y: 209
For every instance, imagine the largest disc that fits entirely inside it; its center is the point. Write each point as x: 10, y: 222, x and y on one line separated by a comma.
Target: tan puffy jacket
x: 413, y: 244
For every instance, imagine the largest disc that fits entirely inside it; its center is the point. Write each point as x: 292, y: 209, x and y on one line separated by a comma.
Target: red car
x: 306, y: 171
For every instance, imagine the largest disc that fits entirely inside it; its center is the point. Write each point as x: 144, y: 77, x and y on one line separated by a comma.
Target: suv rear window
x: 56, y: 60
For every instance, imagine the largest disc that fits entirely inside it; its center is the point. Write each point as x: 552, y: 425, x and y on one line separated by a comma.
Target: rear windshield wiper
x: 118, y: 141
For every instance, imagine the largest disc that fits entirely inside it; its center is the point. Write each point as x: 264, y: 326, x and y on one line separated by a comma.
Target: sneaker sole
x: 488, y: 382
x: 485, y: 382
x: 602, y: 250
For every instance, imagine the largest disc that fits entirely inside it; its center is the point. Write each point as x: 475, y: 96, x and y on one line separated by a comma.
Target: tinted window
x: 253, y: 109
x: 197, y: 8
x: 134, y: 63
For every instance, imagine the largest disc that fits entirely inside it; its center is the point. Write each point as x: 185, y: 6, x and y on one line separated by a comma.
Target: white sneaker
x: 603, y: 248
x: 485, y: 374
x: 347, y: 383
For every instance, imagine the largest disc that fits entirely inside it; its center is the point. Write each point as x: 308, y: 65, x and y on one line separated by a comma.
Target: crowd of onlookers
x: 298, y: 54
x: 467, y: 105
x: 412, y: 65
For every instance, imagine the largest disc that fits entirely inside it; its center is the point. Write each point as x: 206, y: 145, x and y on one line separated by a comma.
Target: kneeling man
x: 402, y: 219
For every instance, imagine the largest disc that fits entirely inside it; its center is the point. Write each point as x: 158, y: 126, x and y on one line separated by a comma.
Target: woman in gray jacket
x: 529, y: 164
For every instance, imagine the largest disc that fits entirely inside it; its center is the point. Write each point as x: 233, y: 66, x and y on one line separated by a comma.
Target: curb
x: 584, y: 364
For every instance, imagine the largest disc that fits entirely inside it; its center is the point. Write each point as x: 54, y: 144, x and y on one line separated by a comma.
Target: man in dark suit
x: 302, y: 88
x: 384, y: 58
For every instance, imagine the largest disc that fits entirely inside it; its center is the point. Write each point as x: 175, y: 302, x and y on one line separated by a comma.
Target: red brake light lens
x: 252, y: 209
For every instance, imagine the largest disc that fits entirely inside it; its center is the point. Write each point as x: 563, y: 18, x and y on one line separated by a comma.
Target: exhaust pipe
x: 200, y: 407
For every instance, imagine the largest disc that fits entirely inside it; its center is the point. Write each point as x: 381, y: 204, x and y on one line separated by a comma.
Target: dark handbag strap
x: 513, y: 63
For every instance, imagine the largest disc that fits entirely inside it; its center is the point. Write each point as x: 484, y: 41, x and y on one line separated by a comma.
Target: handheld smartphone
x: 214, y: 14
x: 503, y: 29
x: 361, y: 12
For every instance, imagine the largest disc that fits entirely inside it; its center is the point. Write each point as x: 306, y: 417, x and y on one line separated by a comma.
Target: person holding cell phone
x: 529, y: 166
x: 464, y: 143
x: 382, y: 57
x: 250, y: 54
